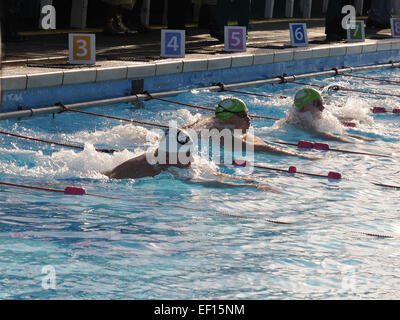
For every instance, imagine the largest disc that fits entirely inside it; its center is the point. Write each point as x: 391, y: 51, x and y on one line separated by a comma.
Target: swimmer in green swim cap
x: 232, y: 114
x: 310, y: 100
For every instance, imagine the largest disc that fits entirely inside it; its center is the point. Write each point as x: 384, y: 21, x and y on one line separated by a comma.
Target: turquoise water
x: 137, y: 249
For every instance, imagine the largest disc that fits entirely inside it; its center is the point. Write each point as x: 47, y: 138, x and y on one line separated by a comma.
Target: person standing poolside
x: 308, y: 110
x: 380, y: 13
x: 232, y: 114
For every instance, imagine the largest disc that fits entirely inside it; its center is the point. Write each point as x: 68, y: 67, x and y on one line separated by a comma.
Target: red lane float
x: 384, y: 110
x: 323, y: 146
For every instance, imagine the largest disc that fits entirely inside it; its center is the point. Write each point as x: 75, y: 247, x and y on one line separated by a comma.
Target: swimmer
x: 308, y: 107
x: 231, y: 114
x: 175, y: 151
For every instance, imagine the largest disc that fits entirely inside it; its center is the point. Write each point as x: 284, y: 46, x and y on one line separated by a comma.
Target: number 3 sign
x: 82, y: 48
x: 235, y: 38
x: 172, y: 43
x: 298, y: 34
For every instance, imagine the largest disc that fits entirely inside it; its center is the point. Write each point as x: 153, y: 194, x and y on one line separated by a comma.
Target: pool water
x: 138, y: 249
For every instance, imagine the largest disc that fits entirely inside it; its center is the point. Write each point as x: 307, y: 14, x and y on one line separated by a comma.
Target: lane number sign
x: 395, y: 24
x: 298, y: 34
x: 172, y: 43
x: 356, y: 34
x: 82, y: 48
x: 235, y: 39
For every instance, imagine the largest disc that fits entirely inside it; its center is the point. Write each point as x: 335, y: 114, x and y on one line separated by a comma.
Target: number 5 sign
x: 395, y: 23
x: 298, y: 34
x: 82, y: 48
x: 172, y: 43
x: 235, y: 38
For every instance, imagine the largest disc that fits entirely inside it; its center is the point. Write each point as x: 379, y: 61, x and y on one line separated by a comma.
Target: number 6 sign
x: 395, y: 24
x: 82, y: 48
x: 172, y: 43
x: 235, y: 38
x: 298, y: 34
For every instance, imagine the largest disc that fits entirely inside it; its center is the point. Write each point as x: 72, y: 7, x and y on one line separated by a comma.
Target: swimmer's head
x: 308, y: 99
x: 234, y: 111
x: 175, y: 148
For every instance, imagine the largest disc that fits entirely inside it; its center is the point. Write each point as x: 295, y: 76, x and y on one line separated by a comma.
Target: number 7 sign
x: 235, y: 38
x: 82, y: 48
x: 358, y: 33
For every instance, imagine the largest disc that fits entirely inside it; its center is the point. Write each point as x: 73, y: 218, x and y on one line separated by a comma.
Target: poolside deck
x: 265, y: 37
x: 37, y: 71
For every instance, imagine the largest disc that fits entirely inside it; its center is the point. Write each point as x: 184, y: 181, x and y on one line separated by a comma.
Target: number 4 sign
x: 82, y: 48
x: 395, y: 23
x: 298, y: 34
x: 235, y: 38
x: 172, y: 43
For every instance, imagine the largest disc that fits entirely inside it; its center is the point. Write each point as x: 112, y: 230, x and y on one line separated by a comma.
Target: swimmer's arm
x: 249, y: 183
x: 261, y: 146
x: 222, y: 184
x: 232, y: 177
x: 359, y: 137
x: 330, y: 136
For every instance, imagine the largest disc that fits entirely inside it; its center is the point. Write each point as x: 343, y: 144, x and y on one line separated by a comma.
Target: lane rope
x: 336, y: 88
x: 224, y: 89
x: 201, y: 107
x: 55, y: 143
x: 325, y: 147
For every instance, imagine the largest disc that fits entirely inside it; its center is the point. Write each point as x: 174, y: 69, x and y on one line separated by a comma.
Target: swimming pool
x: 111, y: 249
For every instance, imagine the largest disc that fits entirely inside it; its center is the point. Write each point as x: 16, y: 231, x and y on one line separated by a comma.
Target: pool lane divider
x: 384, y: 110
x: 244, y: 163
x: 65, y: 109
x: 346, y: 123
x: 337, y: 88
x: 325, y: 147
x: 331, y: 175
x: 224, y: 89
x: 55, y: 143
x: 338, y: 73
x: 79, y: 191
x: 201, y: 107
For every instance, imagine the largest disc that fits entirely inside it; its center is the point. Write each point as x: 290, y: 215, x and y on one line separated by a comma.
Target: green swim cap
x: 305, y: 96
x: 228, y: 107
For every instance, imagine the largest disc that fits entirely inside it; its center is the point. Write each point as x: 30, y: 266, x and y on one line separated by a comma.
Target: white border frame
x: 92, y: 48
x: 182, y: 46
x: 362, y: 32
x: 392, y: 20
x: 305, y: 44
x: 226, y: 40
